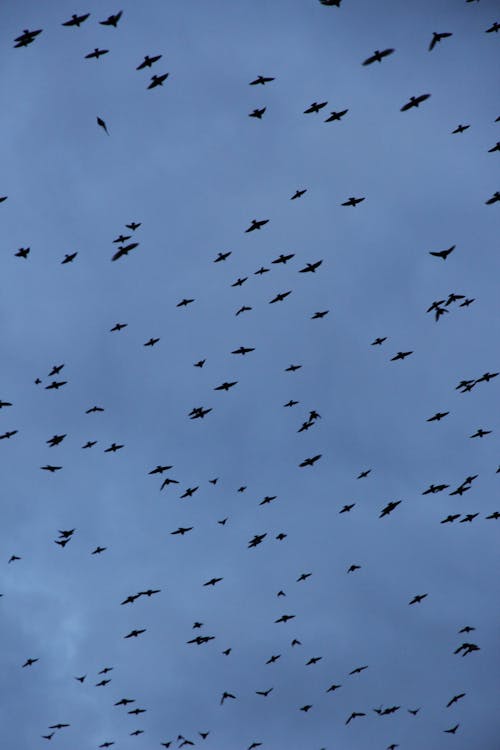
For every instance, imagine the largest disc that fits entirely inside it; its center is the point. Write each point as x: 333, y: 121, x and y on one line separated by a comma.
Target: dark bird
x: 467, y: 302
x: 29, y: 661
x: 257, y: 539
x: 336, y: 115
x: 184, y: 302
x: 298, y: 194
x: 55, y: 385
x: 256, y: 224
x: 27, y: 37
x: 124, y: 250
x: 168, y: 481
x: 333, y: 688
x: 226, y: 386
x: 23, y: 252
x: 98, y: 550
x: 378, y: 56
x: 437, y: 37
x: 291, y: 403
x: 293, y: 368
x: 94, y: 410
x: 353, y: 568
x: 455, y: 699
x: 97, y: 53
x: 102, y: 124
x: 467, y: 629
x: 261, y: 79
x: 112, y: 20
x: 102, y: 683
x: 480, y: 433
x: 400, y: 355
x: 240, y: 281
x: 69, y: 258
x: 55, y: 440
x: 363, y: 474
x: 50, y: 468
x: 306, y: 708
x: 59, y: 726
x: 135, y: 633
x: 152, y: 342
x: 354, y: 715
x: 452, y: 730
x: 493, y: 516
x: 315, y: 107
x: 273, y: 658
x: 137, y: 711
x: 81, y: 679
x: 352, y: 201
x: 493, y: 28
x: 303, y: 577
x: 469, y: 517
x: 265, y: 693
x: 311, y: 267
x: 242, y: 309
x: 47, y: 736
x: 417, y: 598
x: 495, y: 198
x: 347, y: 508
x: 261, y: 271
x: 213, y: 581
x: 4, y: 403
x: 222, y: 256
x: 226, y: 695
x: 414, y: 101
x: 200, y: 363
x: 389, y: 508
x: 280, y: 297
x: 313, y: 660
x: 358, y: 670
x: 157, y: 80
x: 443, y: 253
x: 433, y: 488
x: 320, y: 314
x: 189, y: 492
x: 496, y: 147
x: 284, y: 618
x: 258, y: 113
x: 8, y: 434
x: 460, y: 129
x: 133, y: 225
x: 76, y: 20
x: 148, y: 62
x: 113, y: 448
x: 310, y: 461
x: 160, y: 469
x: 106, y: 744
x: 438, y: 416
x: 452, y: 297
x: 125, y: 701
x: 283, y: 258
x: 243, y: 350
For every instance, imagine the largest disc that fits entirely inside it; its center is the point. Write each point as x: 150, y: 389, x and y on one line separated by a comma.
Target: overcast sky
x: 187, y: 162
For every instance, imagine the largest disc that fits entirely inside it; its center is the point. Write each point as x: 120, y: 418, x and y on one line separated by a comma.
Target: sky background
x: 187, y: 162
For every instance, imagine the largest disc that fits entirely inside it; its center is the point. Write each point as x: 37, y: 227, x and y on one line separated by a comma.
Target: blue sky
x: 187, y: 162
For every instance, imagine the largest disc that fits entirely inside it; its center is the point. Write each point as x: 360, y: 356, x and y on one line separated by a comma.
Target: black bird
x: 261, y: 271
x: 311, y: 267
x: 318, y: 315
x: 261, y: 79
x: 493, y: 28
x: 257, y: 539
x: 455, y: 699
x: 102, y: 683
x: 280, y: 297
x: 433, y: 488
x: 151, y: 342
x: 50, y: 468
x: 293, y: 368
x: 460, y: 129
x: 225, y: 386
x: 26, y: 38
x: 222, y: 256
x: 298, y: 194
x: 94, y: 409
x: 55, y: 385
x: 98, y: 550
x: 76, y: 20
x: 310, y: 461
x: 97, y: 53
x: 243, y: 350
x: 160, y: 469
x: 200, y: 363
x: 240, y: 281
x: 495, y: 198
x: 158, y: 80
x: 59, y: 726
x: 315, y: 107
x: 124, y: 250
x: 125, y: 701
x: 443, y: 253
x: 363, y: 474
x: 496, y: 147
x: 331, y: 3
x: 417, y: 598
x: 8, y: 434
x: 437, y: 37
x: 347, y: 508
x: 336, y: 115
x: 358, y: 670
x: 378, y: 56
x: 438, y: 416
x: 102, y: 124
x: 113, y: 448
x: 400, y: 355
x: 291, y: 403
x: 182, y: 530
x: 135, y: 633
x: 354, y: 715
x: 352, y: 201
x: 133, y: 225
x: 28, y: 662
x: 258, y: 113
x: 283, y: 258
x: 148, y: 61
x: 452, y: 730
x: 226, y: 695
x: 242, y: 309
x: 265, y: 693
x: 389, y: 508
x: 256, y: 224
x: 379, y: 341
x: 69, y: 258
x: 213, y: 581
x: 81, y: 679
x: 333, y: 688
x: 414, y: 101
x: 55, y: 440
x: 112, y: 20
x: 4, y: 403
x: 23, y: 252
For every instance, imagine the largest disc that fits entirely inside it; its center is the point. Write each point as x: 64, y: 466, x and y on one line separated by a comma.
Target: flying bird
x: 112, y: 20
x: 378, y: 56
x: 437, y: 37
x: 158, y: 80
x: 262, y: 80
x: 148, y: 62
x: 414, y: 101
x: 102, y: 124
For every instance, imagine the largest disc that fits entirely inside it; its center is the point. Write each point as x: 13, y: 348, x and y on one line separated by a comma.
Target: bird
x: 378, y: 56
x: 262, y: 80
x: 97, y: 53
x: 311, y: 267
x: 94, y: 410
x: 293, y: 368
x: 283, y: 258
x: 258, y: 113
x: 81, y: 679
x: 213, y: 581
x: 243, y: 350
x: 148, y: 61
x: 59, y: 726
x: 98, y: 550
x: 135, y: 633
x: 417, y: 598
x: 353, y: 568
x: 29, y: 662
x: 158, y: 80
x: 494, y: 148
x: 69, y: 258
x: 495, y: 198
x: 331, y: 3
x: 265, y: 693
x: 438, y: 416
x: 315, y: 107
x: 27, y: 37
x: 47, y: 736
x: 226, y: 695
x: 102, y: 683
x: 284, y: 618
x: 336, y: 115
x: 52, y: 469
x: 452, y: 730
x: 76, y: 20
x: 124, y: 701
x: 279, y: 297
x: 400, y: 355
x: 152, y: 341
x: 112, y: 20
x: 102, y: 124
x: 113, y: 448
x: 23, y: 252
x: 124, y: 250
x: 298, y: 194
x: 306, y: 708
x: 414, y: 101
x: 455, y: 699
x: 222, y: 256
x: 389, y: 508
x: 443, y: 253
x: 363, y: 474
x: 320, y: 314
x: 256, y: 224
x: 437, y: 37
x: 358, y: 670
x: 460, y: 129
x: 310, y: 461
x: 352, y: 201
x: 354, y: 715
x: 333, y: 688
x: 347, y: 508
x: 133, y: 225
x: 313, y: 660
x: 480, y: 433
x: 493, y: 28
x: 55, y: 385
